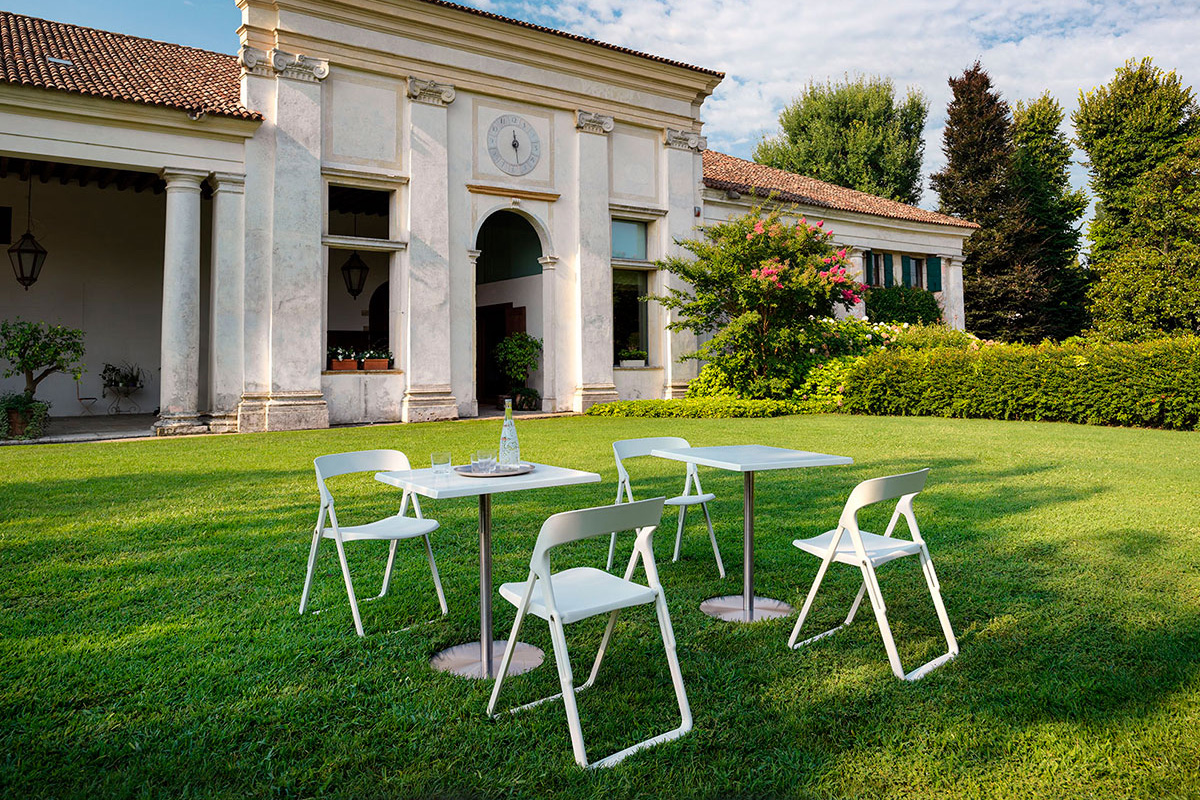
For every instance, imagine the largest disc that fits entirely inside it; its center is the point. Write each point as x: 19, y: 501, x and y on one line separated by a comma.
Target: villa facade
x: 407, y: 175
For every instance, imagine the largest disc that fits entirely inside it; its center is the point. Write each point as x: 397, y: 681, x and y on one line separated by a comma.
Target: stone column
x: 549, y: 341
x: 684, y: 167
x: 593, y: 288
x: 858, y: 271
x: 427, y: 391
x: 952, y: 293
x: 297, y: 255
x: 180, y: 357
x: 258, y: 92
x: 225, y: 350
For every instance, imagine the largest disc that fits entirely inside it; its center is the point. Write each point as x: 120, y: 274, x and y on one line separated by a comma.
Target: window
x: 631, y: 282
x: 876, y: 276
x: 918, y: 267
x: 359, y: 260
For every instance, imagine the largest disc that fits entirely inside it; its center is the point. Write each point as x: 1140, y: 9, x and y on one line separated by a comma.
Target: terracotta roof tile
x: 479, y: 13
x: 728, y: 172
x: 118, y: 67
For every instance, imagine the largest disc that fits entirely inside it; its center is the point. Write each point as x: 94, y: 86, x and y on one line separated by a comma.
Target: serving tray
x: 520, y: 469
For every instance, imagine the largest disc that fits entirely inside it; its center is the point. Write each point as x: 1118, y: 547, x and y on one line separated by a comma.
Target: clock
x: 513, y: 145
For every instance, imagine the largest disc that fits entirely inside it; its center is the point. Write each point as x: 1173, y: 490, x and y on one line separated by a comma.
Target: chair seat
x: 690, y: 499
x: 581, y: 592
x: 396, y: 527
x: 880, y: 549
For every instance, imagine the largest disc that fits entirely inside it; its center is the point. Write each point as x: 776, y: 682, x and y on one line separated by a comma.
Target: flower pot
x: 343, y: 364
x: 18, y: 421
x: 375, y: 363
x: 633, y: 362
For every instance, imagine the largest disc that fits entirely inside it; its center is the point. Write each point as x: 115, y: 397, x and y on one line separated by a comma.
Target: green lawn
x: 150, y: 645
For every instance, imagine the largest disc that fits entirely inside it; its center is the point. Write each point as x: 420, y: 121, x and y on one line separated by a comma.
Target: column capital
x: 548, y: 262
x: 186, y: 179
x: 299, y: 67
x: 228, y: 182
x: 684, y: 140
x: 591, y: 122
x: 474, y: 255
x: 430, y: 92
x: 254, y: 61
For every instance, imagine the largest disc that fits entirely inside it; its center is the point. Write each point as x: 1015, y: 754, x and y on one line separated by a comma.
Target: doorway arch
x: 508, y: 295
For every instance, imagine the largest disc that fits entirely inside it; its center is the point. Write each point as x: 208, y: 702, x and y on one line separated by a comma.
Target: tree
x: 35, y: 347
x: 976, y: 184
x: 1049, y: 239
x: 759, y: 284
x: 1151, y: 286
x: 1128, y: 127
x: 854, y: 134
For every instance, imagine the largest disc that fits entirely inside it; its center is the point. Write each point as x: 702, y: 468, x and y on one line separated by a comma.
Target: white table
x: 748, y: 459
x: 476, y: 659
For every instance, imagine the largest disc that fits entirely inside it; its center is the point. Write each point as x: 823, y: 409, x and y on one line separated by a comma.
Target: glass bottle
x: 510, y: 448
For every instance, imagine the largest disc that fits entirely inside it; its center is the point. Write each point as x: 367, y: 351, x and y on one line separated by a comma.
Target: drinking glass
x: 440, y: 462
x: 485, y: 461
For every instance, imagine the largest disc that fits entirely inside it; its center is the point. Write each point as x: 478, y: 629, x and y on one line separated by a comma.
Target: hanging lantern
x: 26, y: 254
x: 354, y: 271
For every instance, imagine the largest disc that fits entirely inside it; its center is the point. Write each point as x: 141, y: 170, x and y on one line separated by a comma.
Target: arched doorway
x: 508, y: 296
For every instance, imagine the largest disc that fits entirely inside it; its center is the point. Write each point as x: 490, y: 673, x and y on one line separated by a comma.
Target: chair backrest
x: 634, y: 448
x: 585, y: 523
x: 876, y: 490
x: 337, y: 464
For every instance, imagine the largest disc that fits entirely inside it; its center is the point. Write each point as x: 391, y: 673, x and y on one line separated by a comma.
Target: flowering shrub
x: 759, y: 286
x: 703, y: 408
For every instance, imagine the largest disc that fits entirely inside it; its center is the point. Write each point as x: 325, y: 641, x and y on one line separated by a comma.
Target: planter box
x: 375, y: 363
x: 343, y: 364
x: 633, y: 362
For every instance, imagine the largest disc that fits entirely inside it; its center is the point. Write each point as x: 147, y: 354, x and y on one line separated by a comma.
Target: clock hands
x: 516, y: 145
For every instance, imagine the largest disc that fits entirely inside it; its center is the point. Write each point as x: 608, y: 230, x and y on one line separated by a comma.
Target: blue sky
x: 769, y: 49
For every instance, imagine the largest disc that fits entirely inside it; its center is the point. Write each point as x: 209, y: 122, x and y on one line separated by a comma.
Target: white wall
x: 103, y: 274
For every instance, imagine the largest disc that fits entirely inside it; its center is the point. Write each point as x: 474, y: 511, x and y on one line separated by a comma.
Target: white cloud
x: 769, y: 49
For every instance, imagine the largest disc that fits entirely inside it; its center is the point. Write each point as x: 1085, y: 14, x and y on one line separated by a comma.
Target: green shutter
x: 887, y: 270
x: 868, y: 269
x: 906, y: 270
x: 933, y: 273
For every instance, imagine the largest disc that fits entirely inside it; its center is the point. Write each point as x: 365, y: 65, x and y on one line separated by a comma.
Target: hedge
x: 1150, y: 384
x: 707, y: 407
x: 902, y: 304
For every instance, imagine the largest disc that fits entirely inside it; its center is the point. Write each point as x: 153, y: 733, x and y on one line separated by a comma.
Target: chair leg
x: 387, y: 572
x: 349, y: 587
x: 562, y: 661
x: 608, y: 631
x: 713, y: 537
x: 312, y: 568
x: 808, y: 601
x: 612, y: 549
x: 679, y: 531
x: 885, y: 630
x: 437, y: 581
x: 509, y: 649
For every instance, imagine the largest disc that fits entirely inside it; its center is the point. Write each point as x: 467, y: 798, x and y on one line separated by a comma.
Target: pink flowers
x: 769, y: 273
x: 821, y: 224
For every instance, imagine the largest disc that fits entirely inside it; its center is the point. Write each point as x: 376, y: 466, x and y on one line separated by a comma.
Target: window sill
x: 619, y: 368
x: 362, y: 372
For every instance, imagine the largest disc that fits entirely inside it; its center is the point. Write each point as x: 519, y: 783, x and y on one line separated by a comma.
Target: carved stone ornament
x: 299, y: 67
x: 254, y: 61
x: 590, y: 122
x: 430, y: 92
x: 685, y: 140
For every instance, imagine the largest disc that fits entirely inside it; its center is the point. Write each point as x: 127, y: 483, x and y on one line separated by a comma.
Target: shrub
x: 516, y: 354
x: 924, y: 337
x: 902, y: 304
x: 700, y: 408
x: 1150, y: 384
x: 36, y: 412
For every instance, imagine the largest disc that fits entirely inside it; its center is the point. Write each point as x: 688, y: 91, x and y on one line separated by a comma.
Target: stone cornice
x: 430, y: 92
x: 591, y: 122
x: 684, y: 140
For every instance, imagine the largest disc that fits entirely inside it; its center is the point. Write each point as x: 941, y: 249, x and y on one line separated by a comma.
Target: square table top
x: 437, y: 486
x: 751, y: 457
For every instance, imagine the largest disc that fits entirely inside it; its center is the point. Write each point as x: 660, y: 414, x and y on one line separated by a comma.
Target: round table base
x: 463, y: 659
x: 730, y: 608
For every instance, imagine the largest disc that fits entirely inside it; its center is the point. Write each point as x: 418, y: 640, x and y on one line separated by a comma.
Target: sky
x: 771, y: 49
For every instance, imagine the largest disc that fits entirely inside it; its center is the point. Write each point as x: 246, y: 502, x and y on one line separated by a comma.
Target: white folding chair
x: 571, y: 595
x: 868, y: 551
x: 634, y: 448
x: 391, y: 529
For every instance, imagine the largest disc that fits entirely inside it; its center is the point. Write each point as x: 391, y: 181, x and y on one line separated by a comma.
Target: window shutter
x: 887, y: 270
x: 868, y: 268
x: 906, y: 270
x: 933, y: 276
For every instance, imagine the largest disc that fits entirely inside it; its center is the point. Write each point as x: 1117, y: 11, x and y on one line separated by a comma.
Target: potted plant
x: 35, y: 350
x: 122, y: 380
x: 376, y: 358
x: 631, y: 357
x: 342, y: 359
x: 516, y: 354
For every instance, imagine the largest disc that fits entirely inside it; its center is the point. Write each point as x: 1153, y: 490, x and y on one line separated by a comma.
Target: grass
x: 150, y: 645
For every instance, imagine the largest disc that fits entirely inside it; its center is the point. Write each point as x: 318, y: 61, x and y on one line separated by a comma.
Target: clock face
x: 513, y: 145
